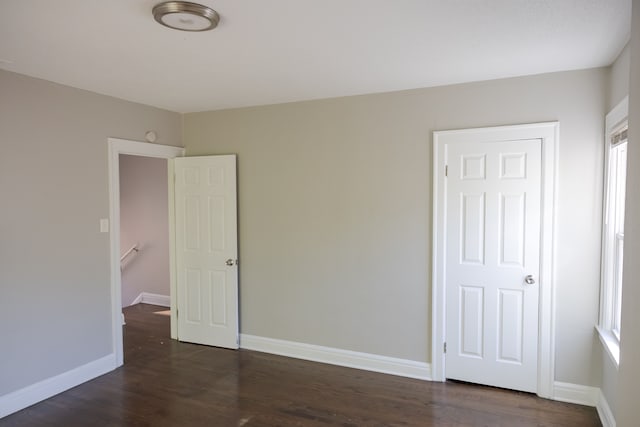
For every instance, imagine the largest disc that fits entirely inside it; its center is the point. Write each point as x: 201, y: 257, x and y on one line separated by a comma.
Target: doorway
x: 493, y: 202
x: 119, y: 147
x: 144, y: 230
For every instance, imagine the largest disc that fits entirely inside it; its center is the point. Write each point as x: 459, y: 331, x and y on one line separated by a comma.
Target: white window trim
x: 610, y: 342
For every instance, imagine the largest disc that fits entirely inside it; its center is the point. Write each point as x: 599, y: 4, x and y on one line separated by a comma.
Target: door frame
x: 548, y: 133
x: 116, y: 147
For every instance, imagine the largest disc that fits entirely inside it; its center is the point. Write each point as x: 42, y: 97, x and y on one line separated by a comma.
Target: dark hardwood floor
x: 166, y: 383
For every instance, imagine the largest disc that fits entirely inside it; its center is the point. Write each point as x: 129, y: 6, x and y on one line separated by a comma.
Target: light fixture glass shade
x: 185, y: 16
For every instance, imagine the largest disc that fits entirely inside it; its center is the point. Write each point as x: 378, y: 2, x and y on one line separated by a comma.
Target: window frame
x: 611, y: 276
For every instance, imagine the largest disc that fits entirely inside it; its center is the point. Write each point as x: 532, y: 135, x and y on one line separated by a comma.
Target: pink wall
x: 144, y: 220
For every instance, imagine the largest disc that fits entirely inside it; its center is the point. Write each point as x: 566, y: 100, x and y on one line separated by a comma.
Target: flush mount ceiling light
x: 186, y: 16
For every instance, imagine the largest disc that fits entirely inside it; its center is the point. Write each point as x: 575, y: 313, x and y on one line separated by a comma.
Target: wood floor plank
x: 167, y: 383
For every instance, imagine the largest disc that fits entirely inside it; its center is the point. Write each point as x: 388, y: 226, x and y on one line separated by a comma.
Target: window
x: 613, y: 227
x: 617, y: 178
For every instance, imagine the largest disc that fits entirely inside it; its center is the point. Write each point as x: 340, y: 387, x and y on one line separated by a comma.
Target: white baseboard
x: 136, y: 300
x: 575, y: 393
x: 604, y: 411
x: 336, y: 356
x: 585, y: 395
x: 154, y: 299
x: 20, y: 399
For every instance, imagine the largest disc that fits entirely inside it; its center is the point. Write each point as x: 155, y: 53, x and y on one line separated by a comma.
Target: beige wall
x: 335, y: 210
x: 628, y: 410
x: 618, y: 79
x: 55, y: 307
x: 144, y: 220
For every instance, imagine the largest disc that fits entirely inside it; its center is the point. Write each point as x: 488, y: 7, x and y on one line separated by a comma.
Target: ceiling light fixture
x: 185, y: 16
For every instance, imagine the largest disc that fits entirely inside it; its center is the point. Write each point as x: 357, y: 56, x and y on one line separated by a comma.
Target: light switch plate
x: 104, y: 225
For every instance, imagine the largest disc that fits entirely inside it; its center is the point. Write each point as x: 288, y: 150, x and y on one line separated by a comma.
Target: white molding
x: 136, y: 148
x: 549, y: 134
x: 604, y: 411
x: 173, y: 282
x: 30, y: 395
x: 438, y: 302
x: 575, y: 393
x: 585, y: 395
x: 339, y: 357
x: 136, y: 300
x: 610, y: 344
x: 616, y: 116
x: 153, y: 299
x: 116, y: 147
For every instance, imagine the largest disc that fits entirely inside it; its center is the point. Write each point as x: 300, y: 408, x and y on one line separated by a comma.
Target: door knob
x: 529, y: 280
x: 229, y: 262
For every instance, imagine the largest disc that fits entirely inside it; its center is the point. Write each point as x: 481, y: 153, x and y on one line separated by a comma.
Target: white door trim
x: 117, y: 147
x: 548, y: 133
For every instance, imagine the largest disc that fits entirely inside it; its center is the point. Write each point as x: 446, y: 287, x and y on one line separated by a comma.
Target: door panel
x: 206, y: 237
x: 510, y: 321
x: 511, y: 228
x: 471, y: 306
x: 472, y: 229
x: 493, y: 233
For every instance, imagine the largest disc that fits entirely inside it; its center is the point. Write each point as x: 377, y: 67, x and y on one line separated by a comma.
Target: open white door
x: 206, y: 250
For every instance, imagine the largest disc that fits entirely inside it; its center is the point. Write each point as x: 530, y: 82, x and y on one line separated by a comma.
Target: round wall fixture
x: 186, y: 16
x: 150, y: 136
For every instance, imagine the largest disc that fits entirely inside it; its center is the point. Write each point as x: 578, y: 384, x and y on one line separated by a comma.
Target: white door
x: 493, y: 191
x: 206, y: 250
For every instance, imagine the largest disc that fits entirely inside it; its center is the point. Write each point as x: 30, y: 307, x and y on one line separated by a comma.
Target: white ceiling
x: 272, y: 51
